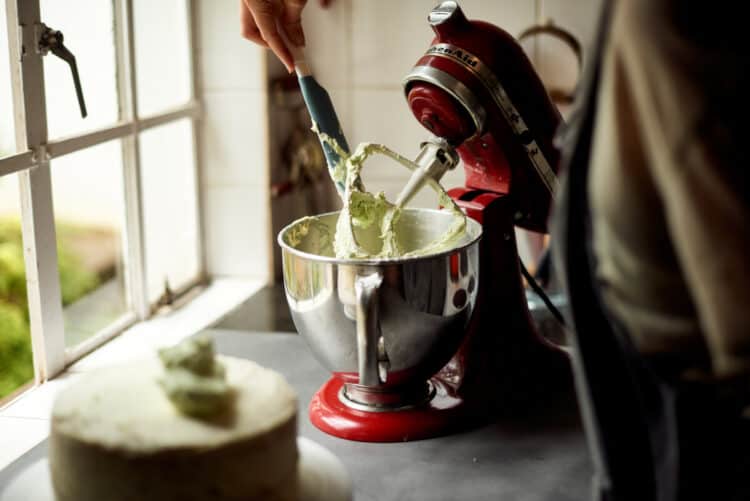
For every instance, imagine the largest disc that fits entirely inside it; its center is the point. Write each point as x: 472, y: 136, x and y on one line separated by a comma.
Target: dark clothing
x: 669, y: 215
x: 654, y: 435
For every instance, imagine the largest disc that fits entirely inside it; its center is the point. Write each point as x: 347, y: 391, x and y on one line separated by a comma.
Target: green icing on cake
x: 193, y: 380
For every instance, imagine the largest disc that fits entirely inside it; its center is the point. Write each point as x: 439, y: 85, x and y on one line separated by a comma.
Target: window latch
x: 52, y: 41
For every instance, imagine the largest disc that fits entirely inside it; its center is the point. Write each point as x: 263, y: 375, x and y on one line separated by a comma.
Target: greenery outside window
x: 98, y: 215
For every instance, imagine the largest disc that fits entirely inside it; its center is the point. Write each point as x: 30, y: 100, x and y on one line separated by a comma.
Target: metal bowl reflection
x: 383, y: 326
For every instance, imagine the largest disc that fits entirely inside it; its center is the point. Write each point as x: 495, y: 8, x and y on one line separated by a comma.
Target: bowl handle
x: 368, y: 328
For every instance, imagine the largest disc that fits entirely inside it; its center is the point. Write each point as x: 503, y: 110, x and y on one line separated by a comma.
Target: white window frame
x: 32, y: 164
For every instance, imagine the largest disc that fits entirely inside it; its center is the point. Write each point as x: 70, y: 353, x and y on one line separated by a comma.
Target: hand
x: 261, y: 20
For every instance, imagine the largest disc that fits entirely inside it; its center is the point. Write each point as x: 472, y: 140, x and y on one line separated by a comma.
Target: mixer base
x: 442, y: 415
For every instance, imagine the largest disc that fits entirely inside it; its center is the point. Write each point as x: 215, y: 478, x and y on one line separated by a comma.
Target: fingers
x: 248, y: 29
x: 264, y: 13
x: 292, y: 21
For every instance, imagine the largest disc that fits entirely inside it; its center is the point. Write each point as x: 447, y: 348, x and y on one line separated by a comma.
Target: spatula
x: 320, y: 107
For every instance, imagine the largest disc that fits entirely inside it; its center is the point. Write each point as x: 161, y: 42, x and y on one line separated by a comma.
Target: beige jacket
x: 668, y: 186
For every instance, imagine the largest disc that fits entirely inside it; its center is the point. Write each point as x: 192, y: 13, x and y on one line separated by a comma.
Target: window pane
x: 87, y: 190
x: 16, y: 367
x: 88, y: 28
x: 162, y: 57
x: 170, y: 209
x: 7, y: 134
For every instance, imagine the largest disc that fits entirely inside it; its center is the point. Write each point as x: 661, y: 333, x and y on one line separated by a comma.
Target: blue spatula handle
x: 324, y: 115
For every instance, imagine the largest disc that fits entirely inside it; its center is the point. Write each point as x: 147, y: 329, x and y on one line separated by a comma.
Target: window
x: 107, y: 204
x: 7, y: 131
x: 91, y: 37
x: 89, y: 200
x: 16, y: 368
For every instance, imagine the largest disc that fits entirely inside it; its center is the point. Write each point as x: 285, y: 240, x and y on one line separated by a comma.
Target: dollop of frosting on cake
x: 194, y: 380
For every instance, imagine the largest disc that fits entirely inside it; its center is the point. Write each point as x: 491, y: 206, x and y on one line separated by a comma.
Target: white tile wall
x: 577, y: 16
x: 226, y: 60
x: 235, y: 151
x: 233, y: 78
x: 556, y: 62
x: 328, y: 33
x: 239, y: 236
x: 511, y: 15
x: 388, y: 36
x: 382, y: 116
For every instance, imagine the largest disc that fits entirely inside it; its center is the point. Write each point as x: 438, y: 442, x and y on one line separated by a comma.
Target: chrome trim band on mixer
x: 454, y: 87
x: 490, y: 82
x: 366, y: 399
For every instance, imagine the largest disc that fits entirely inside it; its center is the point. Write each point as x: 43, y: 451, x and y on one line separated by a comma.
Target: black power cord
x: 540, y: 292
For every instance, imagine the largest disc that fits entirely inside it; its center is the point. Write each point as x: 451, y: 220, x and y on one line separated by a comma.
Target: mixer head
x: 476, y: 89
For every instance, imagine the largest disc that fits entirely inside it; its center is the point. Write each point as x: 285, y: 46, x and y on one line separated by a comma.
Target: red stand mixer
x: 477, y: 92
x: 475, y: 88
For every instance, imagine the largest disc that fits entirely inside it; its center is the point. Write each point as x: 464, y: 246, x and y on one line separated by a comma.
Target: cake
x: 186, y: 427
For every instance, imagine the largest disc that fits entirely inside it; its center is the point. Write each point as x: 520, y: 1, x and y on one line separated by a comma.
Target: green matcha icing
x: 194, y: 381
x: 367, y: 209
x: 362, y: 209
x: 300, y: 231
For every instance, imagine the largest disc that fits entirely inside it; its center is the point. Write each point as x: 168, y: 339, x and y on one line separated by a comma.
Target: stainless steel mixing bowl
x: 383, y: 326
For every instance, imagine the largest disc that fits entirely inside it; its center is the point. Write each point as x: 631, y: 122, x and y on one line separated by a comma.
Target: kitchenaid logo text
x: 453, y: 52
